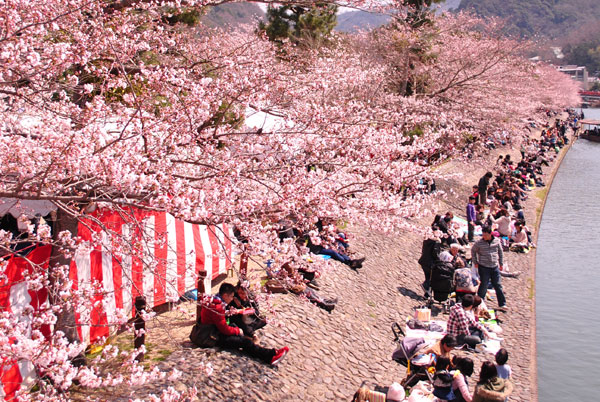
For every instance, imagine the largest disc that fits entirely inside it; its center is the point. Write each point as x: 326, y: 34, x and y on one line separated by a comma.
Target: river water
x: 568, y: 280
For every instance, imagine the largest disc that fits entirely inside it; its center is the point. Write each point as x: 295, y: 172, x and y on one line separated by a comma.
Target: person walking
x: 488, y: 258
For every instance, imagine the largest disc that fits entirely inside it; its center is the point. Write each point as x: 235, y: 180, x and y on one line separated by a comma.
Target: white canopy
x: 29, y: 208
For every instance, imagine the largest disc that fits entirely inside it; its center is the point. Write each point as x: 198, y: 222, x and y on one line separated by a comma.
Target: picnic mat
x: 463, y: 227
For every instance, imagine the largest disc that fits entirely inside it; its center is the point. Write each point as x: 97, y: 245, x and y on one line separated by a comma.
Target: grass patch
x: 531, y: 289
x: 541, y: 193
x: 162, y: 355
x: 371, y: 303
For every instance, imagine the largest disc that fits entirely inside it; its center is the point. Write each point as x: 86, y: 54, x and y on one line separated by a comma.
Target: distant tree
x: 584, y: 54
x: 300, y: 24
x: 547, y: 18
x: 188, y: 16
x: 420, y: 11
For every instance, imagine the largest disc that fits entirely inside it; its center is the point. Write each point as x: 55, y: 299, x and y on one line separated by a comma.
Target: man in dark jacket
x: 482, y: 187
x: 232, y: 337
x: 429, y: 255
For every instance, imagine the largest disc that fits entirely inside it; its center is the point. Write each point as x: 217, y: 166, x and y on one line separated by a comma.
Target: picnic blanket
x: 463, y: 227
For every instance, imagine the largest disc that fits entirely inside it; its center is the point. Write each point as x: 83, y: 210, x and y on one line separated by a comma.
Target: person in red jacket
x: 233, y: 337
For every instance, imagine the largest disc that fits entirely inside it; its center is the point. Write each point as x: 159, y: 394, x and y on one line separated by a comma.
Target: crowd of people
x: 495, y: 207
x: 495, y: 225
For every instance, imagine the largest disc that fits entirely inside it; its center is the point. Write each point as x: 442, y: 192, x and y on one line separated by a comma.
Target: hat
x: 395, y: 392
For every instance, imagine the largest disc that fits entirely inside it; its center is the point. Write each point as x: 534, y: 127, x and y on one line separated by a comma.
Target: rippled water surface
x: 568, y: 279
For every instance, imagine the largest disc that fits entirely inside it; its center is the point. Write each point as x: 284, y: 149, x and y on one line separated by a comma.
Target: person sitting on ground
x: 249, y: 319
x: 443, y: 379
x: 336, y: 255
x: 447, y: 226
x: 457, y: 251
x: 480, y: 309
x: 480, y: 215
x: 465, y: 282
x: 463, y: 326
x: 504, y: 223
x: 503, y: 369
x: 297, y: 285
x: 395, y: 393
x: 444, y: 221
x: 213, y: 313
x: 460, y: 385
x: 490, y: 387
x: 442, y: 347
x: 519, y: 240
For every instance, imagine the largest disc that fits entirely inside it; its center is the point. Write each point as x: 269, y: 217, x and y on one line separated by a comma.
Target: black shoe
x: 355, y: 264
x: 326, y: 306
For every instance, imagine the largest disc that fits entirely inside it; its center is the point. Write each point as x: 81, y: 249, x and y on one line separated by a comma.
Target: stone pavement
x: 331, y: 354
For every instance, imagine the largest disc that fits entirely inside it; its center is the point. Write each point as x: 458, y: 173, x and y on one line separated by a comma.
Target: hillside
x: 353, y: 21
x: 233, y: 14
x: 546, y: 18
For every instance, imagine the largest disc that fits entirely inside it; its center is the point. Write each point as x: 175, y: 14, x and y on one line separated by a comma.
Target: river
x: 568, y: 279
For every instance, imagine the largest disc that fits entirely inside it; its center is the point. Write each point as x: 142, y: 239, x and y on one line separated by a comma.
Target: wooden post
x: 139, y: 324
x: 243, y: 266
x: 201, y: 292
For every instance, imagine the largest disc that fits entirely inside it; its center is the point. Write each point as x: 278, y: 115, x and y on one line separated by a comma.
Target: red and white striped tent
x: 179, y: 251
x: 15, y: 297
x: 175, y: 251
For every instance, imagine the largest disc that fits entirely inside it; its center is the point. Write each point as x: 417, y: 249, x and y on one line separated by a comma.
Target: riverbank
x: 519, y: 323
x: 332, y: 354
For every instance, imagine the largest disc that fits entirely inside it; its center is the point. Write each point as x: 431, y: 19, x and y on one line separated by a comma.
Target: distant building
x: 577, y: 73
x: 557, y: 52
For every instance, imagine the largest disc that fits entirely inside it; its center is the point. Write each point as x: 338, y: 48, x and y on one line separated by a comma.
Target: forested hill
x: 233, y: 14
x: 547, y: 18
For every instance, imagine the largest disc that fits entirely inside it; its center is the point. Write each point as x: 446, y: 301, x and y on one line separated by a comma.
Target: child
x: 442, y: 380
x: 504, y: 370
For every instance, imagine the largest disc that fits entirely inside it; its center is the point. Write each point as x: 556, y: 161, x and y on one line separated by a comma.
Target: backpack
x: 204, y: 335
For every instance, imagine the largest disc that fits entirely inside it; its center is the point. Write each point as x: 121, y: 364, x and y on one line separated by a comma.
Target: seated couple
x: 244, y: 311
x: 463, y: 325
x: 230, y: 337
